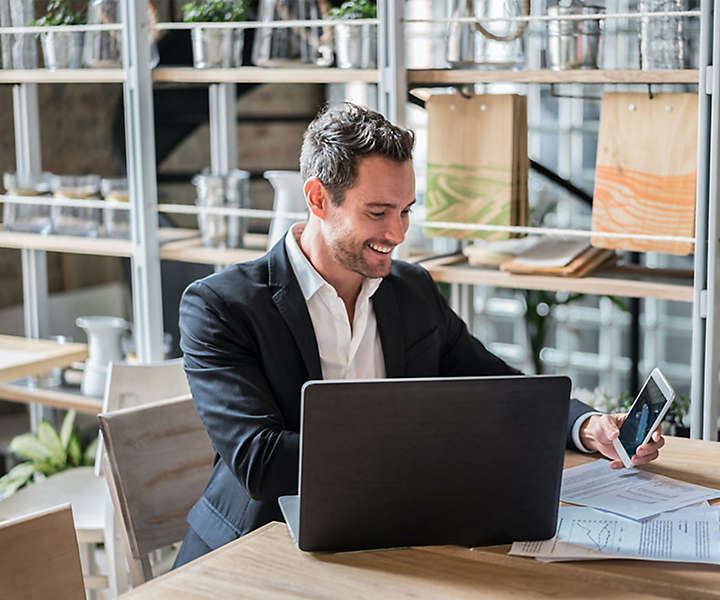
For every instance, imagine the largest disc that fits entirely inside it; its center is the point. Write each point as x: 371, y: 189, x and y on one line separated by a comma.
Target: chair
x: 158, y: 460
x: 86, y: 491
x: 40, y: 558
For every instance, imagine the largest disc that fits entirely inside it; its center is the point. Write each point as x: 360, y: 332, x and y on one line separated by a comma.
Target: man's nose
x: 396, y: 231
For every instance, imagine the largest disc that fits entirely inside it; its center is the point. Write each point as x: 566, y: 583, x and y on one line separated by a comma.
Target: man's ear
x: 316, y: 197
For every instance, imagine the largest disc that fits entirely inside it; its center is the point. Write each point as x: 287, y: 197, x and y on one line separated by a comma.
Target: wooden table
x: 22, y: 357
x: 266, y: 564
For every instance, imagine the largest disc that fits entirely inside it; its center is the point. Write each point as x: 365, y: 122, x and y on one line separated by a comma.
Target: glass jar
x: 33, y: 218
x: 487, y: 45
x: 116, y: 221
x: 73, y: 220
x: 211, y: 193
x: 292, y: 46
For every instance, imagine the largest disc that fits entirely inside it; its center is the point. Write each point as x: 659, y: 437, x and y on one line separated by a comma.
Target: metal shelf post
x: 28, y: 158
x: 142, y: 182
x: 392, y: 87
x: 700, y: 266
x: 712, y: 303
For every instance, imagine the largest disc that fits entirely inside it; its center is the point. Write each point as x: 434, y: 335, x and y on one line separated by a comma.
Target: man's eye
x: 377, y: 215
x: 407, y: 211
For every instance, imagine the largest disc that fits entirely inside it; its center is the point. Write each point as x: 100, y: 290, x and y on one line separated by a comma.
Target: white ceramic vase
x: 103, y: 334
x: 289, y: 198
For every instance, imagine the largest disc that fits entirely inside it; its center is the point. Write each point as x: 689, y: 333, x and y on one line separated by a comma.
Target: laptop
x: 412, y: 462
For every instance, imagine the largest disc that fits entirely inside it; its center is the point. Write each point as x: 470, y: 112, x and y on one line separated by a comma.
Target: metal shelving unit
x: 705, y: 292
x: 148, y: 244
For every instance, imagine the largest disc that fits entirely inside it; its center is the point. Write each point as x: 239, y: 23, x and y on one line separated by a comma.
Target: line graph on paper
x: 597, y: 534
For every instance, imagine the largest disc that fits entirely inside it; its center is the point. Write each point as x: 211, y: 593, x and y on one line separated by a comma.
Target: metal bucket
x: 213, y: 48
x: 62, y: 49
x: 356, y: 46
x: 573, y: 44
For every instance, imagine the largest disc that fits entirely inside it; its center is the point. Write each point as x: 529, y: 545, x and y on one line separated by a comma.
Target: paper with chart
x: 689, y: 535
x: 629, y: 492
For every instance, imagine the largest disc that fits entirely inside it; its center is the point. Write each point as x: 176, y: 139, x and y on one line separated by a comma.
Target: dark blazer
x: 249, y: 346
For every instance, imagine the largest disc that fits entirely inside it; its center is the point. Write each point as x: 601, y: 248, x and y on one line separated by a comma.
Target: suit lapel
x: 387, y: 315
x: 292, y: 306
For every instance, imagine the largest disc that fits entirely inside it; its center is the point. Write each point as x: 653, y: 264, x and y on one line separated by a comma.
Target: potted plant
x: 355, y: 45
x: 215, y: 47
x: 46, y: 453
x: 62, y: 49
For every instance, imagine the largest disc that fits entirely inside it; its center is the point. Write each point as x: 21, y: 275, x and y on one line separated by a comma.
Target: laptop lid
x: 406, y: 462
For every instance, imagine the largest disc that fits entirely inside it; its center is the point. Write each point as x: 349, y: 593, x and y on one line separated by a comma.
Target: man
x: 326, y: 302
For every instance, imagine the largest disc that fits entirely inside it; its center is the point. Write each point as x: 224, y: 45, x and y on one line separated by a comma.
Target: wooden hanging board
x: 477, y: 163
x: 646, y: 171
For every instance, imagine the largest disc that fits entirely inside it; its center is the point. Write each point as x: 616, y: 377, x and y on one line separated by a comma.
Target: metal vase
x: 19, y: 49
x: 62, y: 49
x: 356, y: 46
x: 212, y: 48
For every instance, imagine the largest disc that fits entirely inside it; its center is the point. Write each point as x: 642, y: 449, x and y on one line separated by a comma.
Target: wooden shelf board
x: 615, y: 282
x: 57, y: 398
x: 420, y: 77
x: 193, y: 251
x: 263, y: 75
x: 84, y: 245
x: 62, y: 76
x: 23, y: 357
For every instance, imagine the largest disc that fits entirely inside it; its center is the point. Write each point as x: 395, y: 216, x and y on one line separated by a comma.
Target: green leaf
x: 29, y: 446
x: 91, y: 452
x: 75, y: 450
x: 67, y: 428
x: 18, y: 476
x: 49, y: 437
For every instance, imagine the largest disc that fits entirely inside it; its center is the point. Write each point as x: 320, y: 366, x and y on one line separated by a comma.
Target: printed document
x: 628, y: 492
x: 688, y: 535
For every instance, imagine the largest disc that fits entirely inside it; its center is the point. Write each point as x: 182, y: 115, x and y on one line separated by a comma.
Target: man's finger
x: 651, y: 447
x: 609, y: 428
x: 644, y: 459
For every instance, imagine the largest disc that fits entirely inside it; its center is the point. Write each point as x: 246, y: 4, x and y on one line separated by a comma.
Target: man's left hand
x: 599, y: 431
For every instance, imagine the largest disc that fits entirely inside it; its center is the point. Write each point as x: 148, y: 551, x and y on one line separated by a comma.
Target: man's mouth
x: 380, y: 249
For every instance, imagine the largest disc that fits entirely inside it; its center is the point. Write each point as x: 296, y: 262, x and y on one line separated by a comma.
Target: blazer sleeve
x: 464, y: 355
x: 233, y: 397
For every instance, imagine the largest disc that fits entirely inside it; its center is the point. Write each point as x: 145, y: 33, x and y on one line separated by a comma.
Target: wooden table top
x: 266, y: 564
x: 22, y: 357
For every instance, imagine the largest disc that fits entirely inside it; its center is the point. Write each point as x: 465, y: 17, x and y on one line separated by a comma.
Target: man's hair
x: 337, y: 137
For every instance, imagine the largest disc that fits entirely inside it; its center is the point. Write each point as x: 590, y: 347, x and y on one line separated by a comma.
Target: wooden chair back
x: 40, y: 557
x: 159, y: 459
x: 131, y: 384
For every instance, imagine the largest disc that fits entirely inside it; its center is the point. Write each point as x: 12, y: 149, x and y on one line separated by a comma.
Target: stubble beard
x: 349, y: 253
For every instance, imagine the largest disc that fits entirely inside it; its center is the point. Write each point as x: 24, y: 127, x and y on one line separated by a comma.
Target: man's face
x: 373, y: 218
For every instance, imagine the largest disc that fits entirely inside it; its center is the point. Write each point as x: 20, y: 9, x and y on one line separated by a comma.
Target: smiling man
x: 327, y: 302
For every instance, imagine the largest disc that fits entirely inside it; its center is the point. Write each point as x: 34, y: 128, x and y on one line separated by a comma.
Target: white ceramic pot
x: 103, y: 334
x: 289, y: 198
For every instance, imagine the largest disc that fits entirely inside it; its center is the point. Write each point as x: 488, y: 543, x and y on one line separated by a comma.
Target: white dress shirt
x: 351, y: 352
x: 345, y: 352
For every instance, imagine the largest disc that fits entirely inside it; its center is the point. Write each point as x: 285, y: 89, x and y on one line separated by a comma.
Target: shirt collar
x: 309, y: 279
